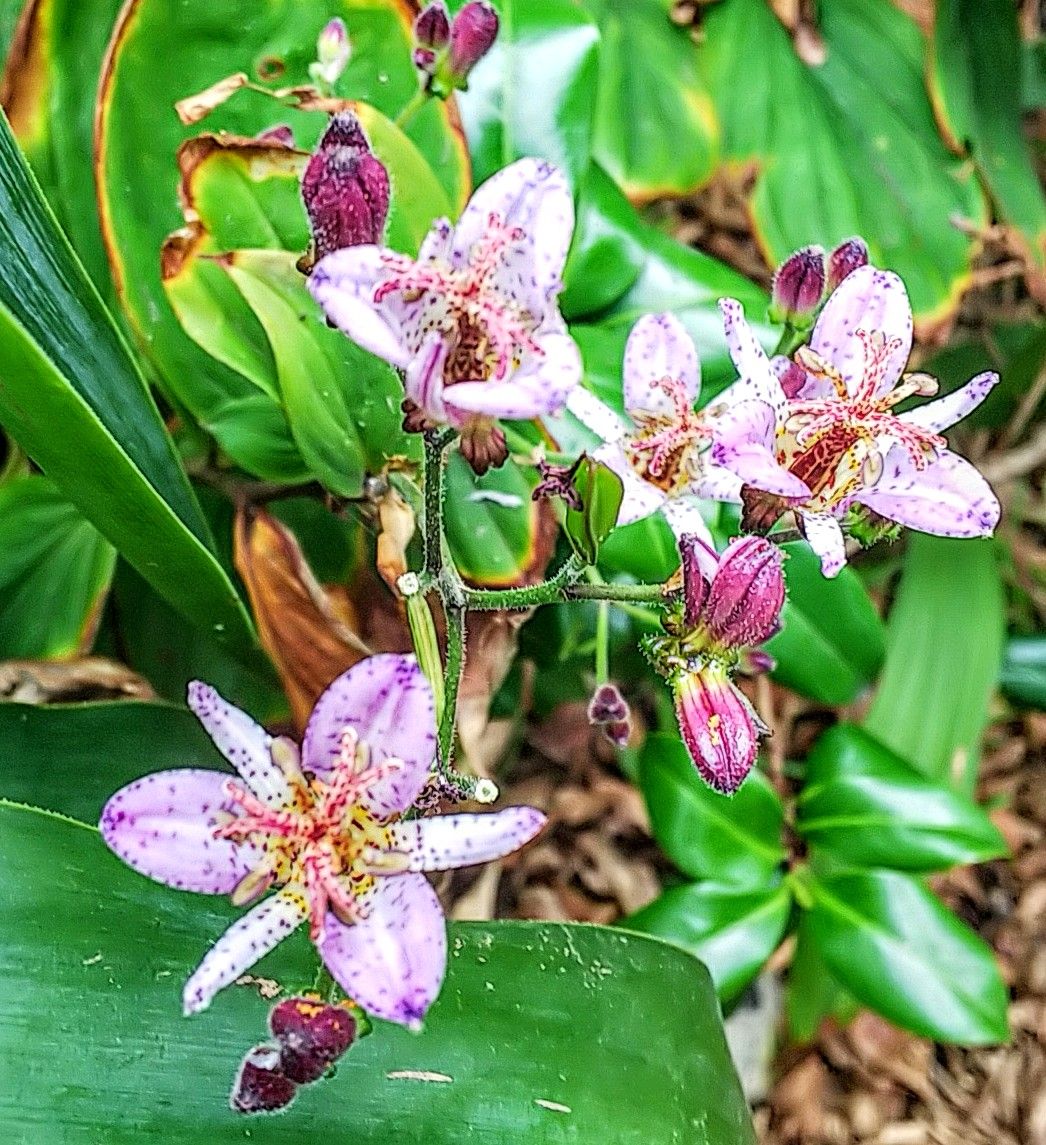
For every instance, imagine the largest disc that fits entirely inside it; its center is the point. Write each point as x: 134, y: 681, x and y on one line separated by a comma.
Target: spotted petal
x: 868, y: 300
x: 743, y: 443
x: 163, y: 825
x: 639, y: 498
x: 244, y: 743
x: 948, y: 498
x: 684, y: 518
x: 945, y: 412
x: 659, y: 349
x: 248, y: 940
x: 389, y: 702
x: 825, y: 537
x: 423, y: 379
x: 393, y: 961
x: 448, y: 841
x: 344, y: 283
x: 757, y: 377
x: 595, y: 415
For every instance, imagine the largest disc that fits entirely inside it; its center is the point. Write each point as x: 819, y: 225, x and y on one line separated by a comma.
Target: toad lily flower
x: 711, y: 637
x: 472, y: 322
x: 323, y: 826
x: 835, y: 441
x: 663, y: 457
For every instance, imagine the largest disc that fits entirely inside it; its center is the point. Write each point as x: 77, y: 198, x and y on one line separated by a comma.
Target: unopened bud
x: 846, y: 257
x: 719, y: 726
x: 798, y: 286
x: 345, y: 189
x: 261, y: 1086
x: 609, y: 711
x: 472, y: 35
x: 332, y: 53
x: 311, y: 1036
x: 432, y: 27
x: 744, y: 601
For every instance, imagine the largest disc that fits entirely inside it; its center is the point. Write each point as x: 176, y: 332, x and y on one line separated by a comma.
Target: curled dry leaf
x: 70, y: 681
x: 396, y: 522
x: 309, y: 632
x: 196, y: 107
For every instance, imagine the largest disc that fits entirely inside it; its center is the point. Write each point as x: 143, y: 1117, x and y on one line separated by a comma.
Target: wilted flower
x: 845, y: 259
x: 834, y: 440
x: 325, y: 828
x: 261, y: 1086
x: 311, y: 1035
x: 798, y: 286
x: 445, y: 52
x: 609, y: 711
x: 332, y: 53
x: 345, y: 188
x: 724, y: 615
x: 472, y: 321
x: 663, y: 458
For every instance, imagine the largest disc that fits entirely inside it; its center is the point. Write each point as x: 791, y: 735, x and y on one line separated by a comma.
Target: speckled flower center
x: 322, y: 839
x: 486, y: 327
x: 837, y: 445
x: 666, y: 448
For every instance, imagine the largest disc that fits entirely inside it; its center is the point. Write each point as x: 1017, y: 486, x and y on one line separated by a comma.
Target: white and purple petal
x: 244, y: 743
x: 595, y: 414
x: 684, y: 517
x: 939, y: 415
x: 423, y: 378
x: 344, y: 285
x: 743, y: 443
x: 163, y: 826
x: 658, y: 350
x: 247, y: 941
x: 825, y: 537
x: 389, y: 703
x: 444, y: 842
x: 757, y: 378
x: 392, y: 962
x: 639, y: 498
x: 867, y: 300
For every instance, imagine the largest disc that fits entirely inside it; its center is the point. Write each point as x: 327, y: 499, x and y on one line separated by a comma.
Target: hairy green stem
x: 455, y: 666
x: 790, y: 341
x: 603, y: 642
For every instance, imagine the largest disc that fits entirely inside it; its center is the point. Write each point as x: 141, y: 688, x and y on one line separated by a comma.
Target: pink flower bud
x: 798, y: 286
x: 744, y: 601
x: 332, y: 52
x: 472, y: 35
x: 311, y: 1035
x: 261, y: 1085
x: 699, y: 565
x: 345, y: 188
x: 432, y: 28
x: 846, y: 257
x: 719, y: 726
x: 609, y: 711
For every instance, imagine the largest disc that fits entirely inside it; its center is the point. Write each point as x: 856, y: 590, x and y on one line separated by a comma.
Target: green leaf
x: 732, y: 932
x: 974, y: 76
x: 899, y: 951
x: 813, y: 993
x: 72, y: 397
x: 163, y: 54
x: 845, y: 147
x: 84, y: 935
x: 656, y: 130
x: 944, y: 650
x: 55, y: 569
x: 534, y: 93
x: 832, y: 641
x: 735, y: 841
x: 342, y: 403
x: 1023, y: 676
x: 607, y: 252
x: 868, y: 807
x: 601, y: 492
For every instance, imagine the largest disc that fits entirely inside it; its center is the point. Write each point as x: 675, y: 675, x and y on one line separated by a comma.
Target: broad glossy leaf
x: 832, y: 641
x: 55, y: 569
x: 601, y: 492
x: 813, y: 993
x: 732, y: 932
x: 1023, y: 674
x: 975, y: 82
x: 735, y: 841
x: 73, y: 398
x: 846, y: 147
x: 866, y: 806
x: 534, y: 93
x: 656, y: 130
x: 87, y: 937
x: 162, y: 54
x: 944, y: 649
x: 899, y: 951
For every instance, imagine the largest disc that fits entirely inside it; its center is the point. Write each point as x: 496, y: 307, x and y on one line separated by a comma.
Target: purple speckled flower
x: 833, y: 439
x: 662, y: 457
x: 324, y: 829
x: 472, y: 322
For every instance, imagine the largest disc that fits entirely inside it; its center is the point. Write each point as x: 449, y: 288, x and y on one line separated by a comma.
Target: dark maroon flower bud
x: 432, y: 28
x: 345, y: 188
x: 558, y: 481
x: 699, y: 566
x: 744, y: 601
x: 846, y: 257
x: 261, y: 1085
x: 798, y: 286
x: 312, y: 1035
x: 792, y: 378
x: 472, y: 35
x: 609, y: 711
